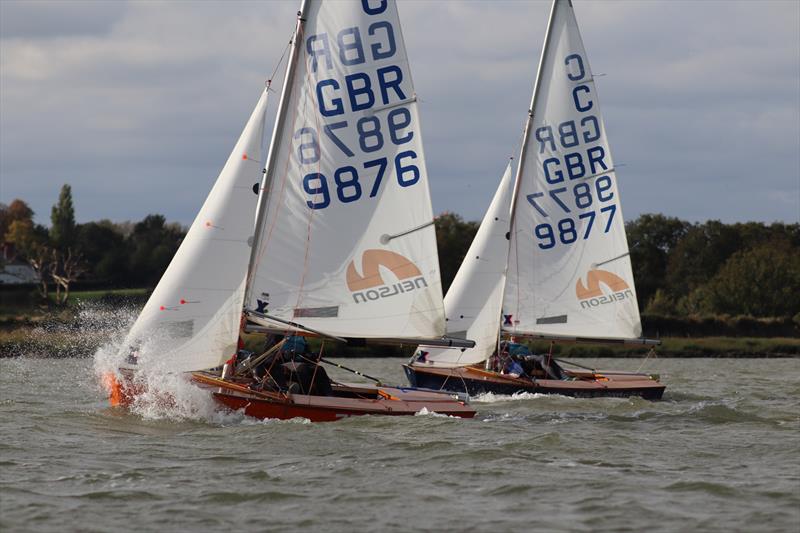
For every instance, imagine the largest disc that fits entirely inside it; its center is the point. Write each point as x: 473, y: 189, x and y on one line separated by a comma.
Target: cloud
x: 137, y: 104
x: 57, y: 18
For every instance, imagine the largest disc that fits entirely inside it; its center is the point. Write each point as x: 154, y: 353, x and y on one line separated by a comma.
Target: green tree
x: 661, y: 304
x: 699, y: 255
x: 651, y: 239
x: 62, y: 217
x: 763, y: 281
x: 151, y: 246
x: 453, y: 237
x: 752, y: 234
x: 103, y: 247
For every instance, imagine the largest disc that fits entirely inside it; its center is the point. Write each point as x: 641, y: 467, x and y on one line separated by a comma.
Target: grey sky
x: 137, y: 104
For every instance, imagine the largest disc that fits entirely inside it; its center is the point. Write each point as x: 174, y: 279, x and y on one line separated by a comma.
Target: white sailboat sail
x: 474, y: 300
x: 192, y: 319
x: 569, y: 273
x: 345, y: 241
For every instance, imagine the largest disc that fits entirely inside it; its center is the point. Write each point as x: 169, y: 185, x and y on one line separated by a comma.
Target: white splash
x: 426, y: 412
x: 163, y: 394
x: 490, y: 397
x: 173, y: 397
x: 168, y: 395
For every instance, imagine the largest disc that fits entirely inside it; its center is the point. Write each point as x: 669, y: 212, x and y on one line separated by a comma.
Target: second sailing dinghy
x: 343, y: 245
x: 562, y: 272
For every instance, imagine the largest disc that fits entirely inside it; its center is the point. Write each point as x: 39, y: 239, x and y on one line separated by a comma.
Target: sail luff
x: 274, y: 146
x: 529, y: 121
x: 525, y: 138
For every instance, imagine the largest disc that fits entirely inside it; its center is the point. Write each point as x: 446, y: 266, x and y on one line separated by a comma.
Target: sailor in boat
x: 292, y: 368
x: 516, y: 360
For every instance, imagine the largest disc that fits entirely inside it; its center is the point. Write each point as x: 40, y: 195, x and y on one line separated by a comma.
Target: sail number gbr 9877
x: 579, y: 193
x: 360, y: 121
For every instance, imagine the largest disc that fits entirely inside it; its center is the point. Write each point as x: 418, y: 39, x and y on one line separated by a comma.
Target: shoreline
x: 66, y: 342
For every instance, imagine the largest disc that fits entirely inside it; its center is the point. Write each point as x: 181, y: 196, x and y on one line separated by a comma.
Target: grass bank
x: 44, y: 341
x: 670, y: 347
x: 19, y: 309
x: 92, y: 317
x: 685, y: 347
x: 30, y: 327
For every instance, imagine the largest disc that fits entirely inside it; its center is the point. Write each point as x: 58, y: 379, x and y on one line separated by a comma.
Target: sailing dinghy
x: 563, y: 271
x: 343, y: 245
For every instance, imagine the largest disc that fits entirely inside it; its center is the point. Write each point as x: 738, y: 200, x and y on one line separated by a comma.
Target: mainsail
x: 569, y: 273
x: 473, y: 302
x: 344, y: 240
x: 191, y: 320
x: 566, y: 270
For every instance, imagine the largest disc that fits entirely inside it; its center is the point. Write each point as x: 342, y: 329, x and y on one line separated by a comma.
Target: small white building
x: 17, y: 273
x: 14, y: 271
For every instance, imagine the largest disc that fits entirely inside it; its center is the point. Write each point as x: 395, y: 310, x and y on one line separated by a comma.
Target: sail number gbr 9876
x: 579, y: 196
x: 361, y: 121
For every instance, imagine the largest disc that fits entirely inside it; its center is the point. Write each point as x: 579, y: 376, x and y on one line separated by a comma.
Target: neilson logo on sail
x: 592, y: 295
x: 370, y: 286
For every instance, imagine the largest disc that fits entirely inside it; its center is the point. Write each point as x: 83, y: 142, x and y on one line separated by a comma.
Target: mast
x: 529, y: 122
x: 526, y: 134
x: 269, y: 169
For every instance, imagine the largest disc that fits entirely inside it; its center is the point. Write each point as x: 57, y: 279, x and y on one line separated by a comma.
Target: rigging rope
x: 280, y: 60
x: 651, y: 352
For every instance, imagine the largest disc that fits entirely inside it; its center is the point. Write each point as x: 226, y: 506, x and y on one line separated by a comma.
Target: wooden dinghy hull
x: 475, y: 381
x: 347, y: 400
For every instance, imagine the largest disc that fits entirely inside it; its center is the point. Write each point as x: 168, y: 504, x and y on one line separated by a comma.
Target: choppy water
x: 721, y: 452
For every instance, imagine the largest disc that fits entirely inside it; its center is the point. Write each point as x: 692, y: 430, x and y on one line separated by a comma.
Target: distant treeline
x: 685, y: 269
x: 104, y: 253
x: 681, y: 269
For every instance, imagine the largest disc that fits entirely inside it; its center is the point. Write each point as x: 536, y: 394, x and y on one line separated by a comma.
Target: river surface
x: 721, y: 452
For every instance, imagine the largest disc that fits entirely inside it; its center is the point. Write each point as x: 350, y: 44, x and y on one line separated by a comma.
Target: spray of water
x: 160, y: 392
x: 491, y: 397
x: 77, y: 332
x: 425, y: 412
